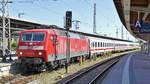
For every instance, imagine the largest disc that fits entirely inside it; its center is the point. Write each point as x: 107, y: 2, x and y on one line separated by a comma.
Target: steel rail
x: 101, y: 74
x: 71, y: 80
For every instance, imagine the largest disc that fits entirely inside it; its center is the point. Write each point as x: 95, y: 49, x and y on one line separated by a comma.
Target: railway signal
x: 68, y: 20
x: 68, y: 26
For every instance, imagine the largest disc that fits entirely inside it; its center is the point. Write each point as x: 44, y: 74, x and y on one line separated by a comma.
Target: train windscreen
x: 32, y: 37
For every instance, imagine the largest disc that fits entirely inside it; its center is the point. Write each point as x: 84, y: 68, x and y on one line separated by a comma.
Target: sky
x: 52, y: 12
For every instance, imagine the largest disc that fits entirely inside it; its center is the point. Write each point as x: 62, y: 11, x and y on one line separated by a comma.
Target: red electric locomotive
x: 46, y: 48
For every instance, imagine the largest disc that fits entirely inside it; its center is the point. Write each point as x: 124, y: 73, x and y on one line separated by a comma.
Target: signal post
x: 68, y: 26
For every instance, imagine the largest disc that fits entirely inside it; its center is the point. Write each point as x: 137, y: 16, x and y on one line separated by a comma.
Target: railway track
x: 94, y: 73
x: 98, y: 69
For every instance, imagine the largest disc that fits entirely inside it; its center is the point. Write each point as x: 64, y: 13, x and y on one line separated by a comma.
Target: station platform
x: 7, y: 67
x: 133, y: 68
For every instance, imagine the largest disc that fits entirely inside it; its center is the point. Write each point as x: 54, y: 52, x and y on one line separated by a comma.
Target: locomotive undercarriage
x: 32, y: 64
x: 38, y: 64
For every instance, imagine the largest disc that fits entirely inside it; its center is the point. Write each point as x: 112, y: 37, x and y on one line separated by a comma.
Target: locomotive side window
x: 52, y: 38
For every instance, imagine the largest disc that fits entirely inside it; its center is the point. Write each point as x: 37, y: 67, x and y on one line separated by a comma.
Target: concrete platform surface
x: 7, y: 67
x: 133, y: 68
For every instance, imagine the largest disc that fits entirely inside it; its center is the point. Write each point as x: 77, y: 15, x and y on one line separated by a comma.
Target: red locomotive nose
x: 31, y: 44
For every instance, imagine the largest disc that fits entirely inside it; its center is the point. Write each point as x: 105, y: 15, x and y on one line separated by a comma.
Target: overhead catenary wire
x: 48, y: 9
x: 34, y: 2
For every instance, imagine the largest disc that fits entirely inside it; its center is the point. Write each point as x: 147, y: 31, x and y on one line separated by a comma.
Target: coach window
x: 95, y: 44
x: 98, y: 44
x: 52, y: 37
x: 103, y: 44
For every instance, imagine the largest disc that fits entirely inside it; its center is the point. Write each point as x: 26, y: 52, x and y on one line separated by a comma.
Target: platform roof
x: 131, y: 10
x: 20, y: 24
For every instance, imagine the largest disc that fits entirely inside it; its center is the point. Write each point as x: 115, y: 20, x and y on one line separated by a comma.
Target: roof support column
x: 126, y: 11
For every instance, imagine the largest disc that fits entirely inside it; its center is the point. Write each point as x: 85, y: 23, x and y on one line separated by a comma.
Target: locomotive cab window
x: 33, y: 37
x: 38, y: 37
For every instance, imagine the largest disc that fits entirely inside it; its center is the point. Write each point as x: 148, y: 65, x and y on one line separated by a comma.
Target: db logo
x: 29, y: 47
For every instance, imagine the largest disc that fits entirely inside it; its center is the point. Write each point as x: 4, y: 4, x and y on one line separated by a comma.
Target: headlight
x: 20, y: 53
x: 38, y: 47
x: 40, y: 53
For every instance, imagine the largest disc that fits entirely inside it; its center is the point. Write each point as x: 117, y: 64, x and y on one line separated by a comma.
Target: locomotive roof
x: 63, y: 30
x: 82, y: 33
